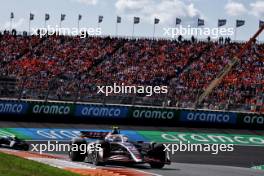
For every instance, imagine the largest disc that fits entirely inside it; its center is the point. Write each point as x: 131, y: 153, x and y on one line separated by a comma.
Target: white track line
x: 61, y: 163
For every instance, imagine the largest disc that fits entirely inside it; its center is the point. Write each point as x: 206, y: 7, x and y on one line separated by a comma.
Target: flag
x: 12, y: 15
x: 63, y: 17
x: 31, y: 16
x: 79, y: 17
x: 178, y: 21
x: 200, y: 22
x: 100, y: 19
x: 47, y: 17
x: 118, y: 19
x: 240, y: 23
x: 136, y: 20
x: 156, y: 21
x: 221, y: 22
x: 261, y: 23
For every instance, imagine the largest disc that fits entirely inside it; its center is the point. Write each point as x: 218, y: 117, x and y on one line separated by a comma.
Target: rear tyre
x: 76, y: 156
x: 157, y: 153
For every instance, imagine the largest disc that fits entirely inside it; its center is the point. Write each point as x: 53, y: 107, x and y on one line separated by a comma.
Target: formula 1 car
x: 116, y: 149
x: 13, y: 143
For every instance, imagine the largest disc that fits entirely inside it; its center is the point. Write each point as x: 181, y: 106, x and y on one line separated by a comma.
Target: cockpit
x: 117, y: 138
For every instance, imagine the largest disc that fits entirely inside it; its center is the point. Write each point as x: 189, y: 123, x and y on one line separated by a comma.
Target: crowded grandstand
x: 69, y: 68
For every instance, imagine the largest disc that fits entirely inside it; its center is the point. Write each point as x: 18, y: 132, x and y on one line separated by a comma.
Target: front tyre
x: 96, y: 159
x: 157, y: 165
x: 25, y: 147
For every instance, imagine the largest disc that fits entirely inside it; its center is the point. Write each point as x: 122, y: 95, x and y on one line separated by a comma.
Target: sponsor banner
x: 203, y: 138
x: 53, y: 109
x: 208, y: 117
x: 156, y: 114
x: 9, y: 107
x: 58, y: 134
x: 251, y: 120
x: 101, y: 111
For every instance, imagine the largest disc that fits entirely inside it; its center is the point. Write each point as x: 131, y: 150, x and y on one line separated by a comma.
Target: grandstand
x: 69, y: 68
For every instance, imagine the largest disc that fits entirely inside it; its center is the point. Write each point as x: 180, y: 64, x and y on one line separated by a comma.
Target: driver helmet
x: 15, y: 138
x: 115, y: 130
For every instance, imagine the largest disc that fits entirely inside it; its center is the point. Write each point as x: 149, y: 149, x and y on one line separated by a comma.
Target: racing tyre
x: 96, y: 159
x: 76, y: 156
x: 157, y: 165
x: 17, y: 146
x: 25, y: 147
x: 158, y: 152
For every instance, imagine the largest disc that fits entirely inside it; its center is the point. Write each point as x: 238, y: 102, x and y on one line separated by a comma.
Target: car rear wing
x: 94, y: 134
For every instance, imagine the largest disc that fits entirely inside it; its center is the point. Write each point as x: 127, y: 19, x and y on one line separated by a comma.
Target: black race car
x: 13, y: 143
x: 116, y: 149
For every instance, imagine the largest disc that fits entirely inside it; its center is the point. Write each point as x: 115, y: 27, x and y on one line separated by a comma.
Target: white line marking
x: 61, y: 163
x: 148, y: 172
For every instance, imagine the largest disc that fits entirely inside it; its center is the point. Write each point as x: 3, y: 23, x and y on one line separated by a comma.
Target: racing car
x: 116, y: 148
x: 12, y: 142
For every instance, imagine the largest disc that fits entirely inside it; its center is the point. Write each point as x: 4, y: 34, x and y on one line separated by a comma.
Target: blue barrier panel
x: 101, y: 111
x: 9, y: 107
x: 208, y: 117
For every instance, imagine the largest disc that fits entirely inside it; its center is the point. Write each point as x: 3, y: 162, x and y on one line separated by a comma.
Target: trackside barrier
x: 250, y: 120
x: 211, y: 117
x: 12, y: 107
x: 92, y: 111
x: 127, y: 115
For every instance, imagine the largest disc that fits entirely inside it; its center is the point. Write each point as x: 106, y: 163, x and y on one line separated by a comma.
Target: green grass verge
x: 15, y: 166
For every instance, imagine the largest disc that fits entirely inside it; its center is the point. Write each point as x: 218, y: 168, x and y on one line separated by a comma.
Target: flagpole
x: 29, y: 27
x: 218, y: 32
x: 235, y: 33
x: 197, y: 31
x: 218, y: 27
x: 133, y: 29
x: 258, y: 36
x: 175, y: 29
x: 116, y: 28
x: 10, y: 24
x: 176, y: 24
x: 78, y: 25
x: 154, y: 30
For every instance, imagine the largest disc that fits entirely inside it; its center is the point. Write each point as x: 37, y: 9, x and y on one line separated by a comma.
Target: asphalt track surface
x: 235, y: 163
